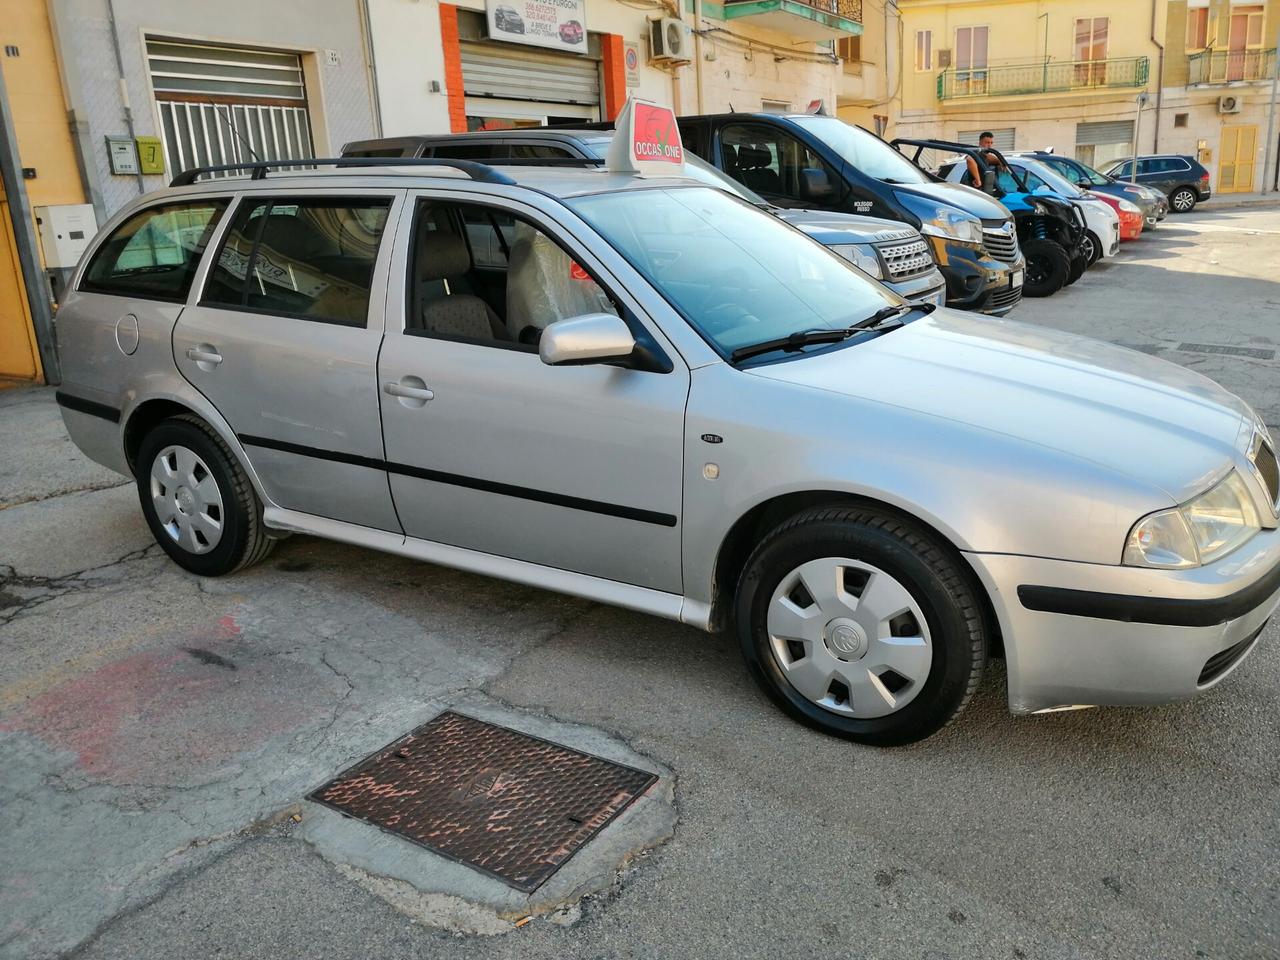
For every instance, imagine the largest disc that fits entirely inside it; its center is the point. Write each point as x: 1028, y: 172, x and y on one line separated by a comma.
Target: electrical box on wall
x: 65, y: 232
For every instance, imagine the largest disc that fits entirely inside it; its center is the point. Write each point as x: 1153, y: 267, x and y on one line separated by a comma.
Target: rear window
x: 311, y: 258
x: 154, y: 254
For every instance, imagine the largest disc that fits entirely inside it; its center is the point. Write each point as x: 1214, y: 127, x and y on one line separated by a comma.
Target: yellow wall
x: 44, y: 142
x: 1017, y: 35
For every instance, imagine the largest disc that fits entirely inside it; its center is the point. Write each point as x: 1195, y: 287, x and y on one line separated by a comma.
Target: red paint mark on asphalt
x: 162, y: 716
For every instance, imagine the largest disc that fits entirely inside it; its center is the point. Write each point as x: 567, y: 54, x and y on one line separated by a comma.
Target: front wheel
x: 198, y: 502
x: 1091, y: 247
x: 1048, y: 268
x: 1183, y: 200
x: 861, y: 624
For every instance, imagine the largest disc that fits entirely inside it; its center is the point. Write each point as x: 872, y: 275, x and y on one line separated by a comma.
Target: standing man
x: 986, y: 144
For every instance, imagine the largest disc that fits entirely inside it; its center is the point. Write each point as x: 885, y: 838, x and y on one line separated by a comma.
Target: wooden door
x: 19, y: 356
x: 1237, y: 159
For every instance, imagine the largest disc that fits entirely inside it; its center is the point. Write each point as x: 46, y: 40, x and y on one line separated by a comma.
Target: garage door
x: 1003, y: 137
x: 507, y: 73
x: 1098, y: 144
x: 227, y: 104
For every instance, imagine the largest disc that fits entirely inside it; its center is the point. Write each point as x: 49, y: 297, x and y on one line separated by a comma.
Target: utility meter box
x: 65, y: 232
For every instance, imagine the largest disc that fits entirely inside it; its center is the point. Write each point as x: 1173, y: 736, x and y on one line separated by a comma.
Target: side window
x: 1124, y: 170
x: 1006, y: 182
x: 776, y: 164
x: 481, y: 275
x: 1146, y: 166
x: 1035, y: 182
x: 154, y: 254
x: 468, y: 151
x: 310, y: 258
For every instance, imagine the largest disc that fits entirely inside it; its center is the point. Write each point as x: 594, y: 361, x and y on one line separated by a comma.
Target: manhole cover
x: 511, y: 805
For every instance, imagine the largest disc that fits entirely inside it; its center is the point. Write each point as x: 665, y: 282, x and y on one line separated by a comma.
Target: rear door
x: 284, y: 342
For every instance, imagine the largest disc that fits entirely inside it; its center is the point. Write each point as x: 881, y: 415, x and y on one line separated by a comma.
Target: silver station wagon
x: 646, y: 392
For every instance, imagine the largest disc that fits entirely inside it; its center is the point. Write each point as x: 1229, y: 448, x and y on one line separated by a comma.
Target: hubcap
x: 849, y: 637
x: 1182, y: 201
x: 1086, y: 246
x: 187, y: 500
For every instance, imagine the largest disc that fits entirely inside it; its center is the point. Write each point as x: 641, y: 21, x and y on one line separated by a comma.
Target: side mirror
x: 590, y: 338
x: 1083, y: 182
x: 815, y: 184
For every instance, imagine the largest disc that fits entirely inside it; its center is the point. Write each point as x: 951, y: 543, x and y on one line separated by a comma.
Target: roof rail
x: 476, y: 171
x: 546, y: 161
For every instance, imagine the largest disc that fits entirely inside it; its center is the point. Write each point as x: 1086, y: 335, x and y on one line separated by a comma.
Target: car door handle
x: 399, y: 388
x: 204, y: 354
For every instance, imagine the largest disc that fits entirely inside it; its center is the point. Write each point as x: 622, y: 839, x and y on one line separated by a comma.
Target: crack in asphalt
x: 41, y: 498
x: 22, y: 593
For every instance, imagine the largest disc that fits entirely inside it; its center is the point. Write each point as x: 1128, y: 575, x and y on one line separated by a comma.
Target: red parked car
x: 1130, y: 215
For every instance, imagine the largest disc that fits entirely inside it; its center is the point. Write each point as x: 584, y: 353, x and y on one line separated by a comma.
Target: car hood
x: 833, y: 228
x: 958, y: 195
x: 1146, y: 418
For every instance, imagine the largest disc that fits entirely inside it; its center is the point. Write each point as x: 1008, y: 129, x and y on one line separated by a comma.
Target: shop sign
x: 558, y: 24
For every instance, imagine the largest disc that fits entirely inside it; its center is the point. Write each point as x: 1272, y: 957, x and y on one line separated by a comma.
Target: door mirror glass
x: 815, y: 185
x: 591, y: 338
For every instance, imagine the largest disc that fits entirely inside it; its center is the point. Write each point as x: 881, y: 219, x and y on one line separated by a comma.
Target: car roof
x: 535, y: 133
x: 561, y: 182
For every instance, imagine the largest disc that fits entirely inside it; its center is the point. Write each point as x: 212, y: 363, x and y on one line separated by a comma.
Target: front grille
x: 906, y: 260
x: 1265, y: 461
x: 1001, y: 245
x: 1223, y: 660
x: 1004, y: 299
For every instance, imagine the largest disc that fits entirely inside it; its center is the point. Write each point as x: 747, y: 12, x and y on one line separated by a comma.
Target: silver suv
x: 647, y: 392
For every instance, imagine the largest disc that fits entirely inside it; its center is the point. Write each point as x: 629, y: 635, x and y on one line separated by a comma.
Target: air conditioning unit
x: 944, y: 59
x: 1228, y: 104
x: 670, y: 40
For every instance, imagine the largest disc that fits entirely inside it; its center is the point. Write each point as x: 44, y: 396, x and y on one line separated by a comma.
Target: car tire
x: 1092, y: 246
x: 1048, y: 268
x: 197, y: 499
x: 1079, y: 264
x: 1183, y: 200
x: 890, y: 641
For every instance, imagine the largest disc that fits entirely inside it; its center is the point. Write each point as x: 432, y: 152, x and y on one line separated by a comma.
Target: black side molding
x: 1164, y: 611
x: 94, y: 409
x: 471, y: 483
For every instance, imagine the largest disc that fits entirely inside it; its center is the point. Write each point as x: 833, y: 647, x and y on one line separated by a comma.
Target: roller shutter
x: 1106, y: 131
x: 509, y: 73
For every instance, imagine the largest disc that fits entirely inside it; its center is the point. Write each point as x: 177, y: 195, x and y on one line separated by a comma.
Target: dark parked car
x: 1178, y: 177
x: 507, y: 20
x: 571, y: 32
x: 1152, y: 202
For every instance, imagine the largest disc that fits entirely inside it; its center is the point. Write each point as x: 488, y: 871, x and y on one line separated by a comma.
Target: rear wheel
x: 1079, y: 264
x: 861, y: 624
x: 1183, y: 200
x: 1048, y: 268
x: 1091, y: 247
x: 198, y: 502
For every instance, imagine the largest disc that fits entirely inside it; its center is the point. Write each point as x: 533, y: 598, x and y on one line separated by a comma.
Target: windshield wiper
x: 891, y: 312
x: 795, y: 341
x: 805, y: 338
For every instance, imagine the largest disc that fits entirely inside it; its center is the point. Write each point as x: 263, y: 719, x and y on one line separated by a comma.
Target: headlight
x: 943, y: 220
x: 861, y: 255
x: 1198, y: 532
x: 1128, y: 207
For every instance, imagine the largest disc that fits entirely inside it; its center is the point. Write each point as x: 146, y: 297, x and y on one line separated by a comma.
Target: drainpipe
x: 371, y: 65
x: 124, y: 87
x: 1155, y: 6
x: 697, y: 52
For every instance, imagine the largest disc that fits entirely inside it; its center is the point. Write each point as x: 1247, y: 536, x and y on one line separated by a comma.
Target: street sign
x: 631, y: 61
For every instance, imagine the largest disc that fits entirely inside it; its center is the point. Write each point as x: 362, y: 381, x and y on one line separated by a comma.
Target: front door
x: 490, y: 449
x: 284, y: 342
x: 18, y: 354
x: 1237, y: 159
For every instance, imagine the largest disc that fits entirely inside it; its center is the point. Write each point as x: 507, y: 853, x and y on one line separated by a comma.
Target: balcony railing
x: 1231, y: 66
x: 849, y: 9
x: 1042, y: 76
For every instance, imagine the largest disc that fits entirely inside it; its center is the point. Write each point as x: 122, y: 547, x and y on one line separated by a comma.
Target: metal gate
x: 228, y: 105
x: 512, y: 74
x: 1101, y: 142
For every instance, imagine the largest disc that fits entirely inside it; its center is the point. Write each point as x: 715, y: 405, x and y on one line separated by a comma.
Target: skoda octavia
x: 647, y: 392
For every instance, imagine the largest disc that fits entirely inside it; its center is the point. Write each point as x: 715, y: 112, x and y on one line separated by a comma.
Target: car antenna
x: 232, y: 127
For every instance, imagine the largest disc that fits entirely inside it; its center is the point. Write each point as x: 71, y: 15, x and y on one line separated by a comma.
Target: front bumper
x: 1090, y: 634
x: 976, y: 280
x: 930, y: 288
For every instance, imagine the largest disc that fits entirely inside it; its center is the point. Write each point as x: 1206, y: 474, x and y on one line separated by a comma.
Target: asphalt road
x: 158, y: 733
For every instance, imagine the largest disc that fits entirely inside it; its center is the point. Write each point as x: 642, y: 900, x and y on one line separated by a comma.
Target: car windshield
x: 863, y: 151
x: 1090, y: 174
x: 738, y: 275
x: 696, y: 169
x: 1050, y: 177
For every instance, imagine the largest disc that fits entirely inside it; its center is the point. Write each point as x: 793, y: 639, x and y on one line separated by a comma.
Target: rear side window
x: 154, y: 254
x: 310, y: 258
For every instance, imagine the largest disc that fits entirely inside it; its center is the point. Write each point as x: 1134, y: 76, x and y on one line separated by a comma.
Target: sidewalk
x: 1223, y: 201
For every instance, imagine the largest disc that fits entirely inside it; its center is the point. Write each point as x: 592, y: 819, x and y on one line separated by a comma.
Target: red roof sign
x: 646, y: 141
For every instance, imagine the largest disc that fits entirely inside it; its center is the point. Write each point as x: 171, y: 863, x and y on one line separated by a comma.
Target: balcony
x: 1231, y: 66
x: 1043, y: 76
x: 802, y: 19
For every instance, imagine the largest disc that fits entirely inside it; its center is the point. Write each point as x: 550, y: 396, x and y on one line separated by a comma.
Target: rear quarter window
x: 154, y: 254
